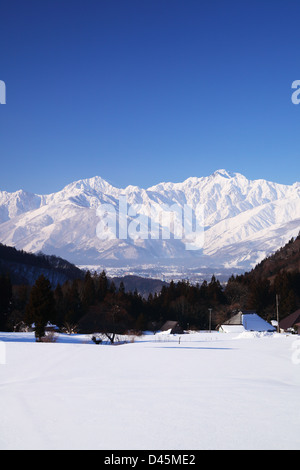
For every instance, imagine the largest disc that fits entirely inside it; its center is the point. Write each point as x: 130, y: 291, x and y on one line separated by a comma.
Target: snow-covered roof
x: 246, y: 322
x: 232, y: 328
x: 253, y: 322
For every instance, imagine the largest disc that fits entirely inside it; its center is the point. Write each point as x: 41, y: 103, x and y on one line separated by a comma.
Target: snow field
x: 211, y: 391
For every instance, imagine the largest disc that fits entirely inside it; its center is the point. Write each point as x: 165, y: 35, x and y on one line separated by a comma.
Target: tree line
x: 96, y: 304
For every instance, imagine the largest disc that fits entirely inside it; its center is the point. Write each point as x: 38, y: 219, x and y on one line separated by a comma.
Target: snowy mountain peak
x: 96, y: 184
x: 224, y: 174
x: 244, y: 220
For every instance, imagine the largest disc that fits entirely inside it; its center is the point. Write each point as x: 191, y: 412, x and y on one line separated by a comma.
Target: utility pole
x: 277, y: 312
x: 210, y: 310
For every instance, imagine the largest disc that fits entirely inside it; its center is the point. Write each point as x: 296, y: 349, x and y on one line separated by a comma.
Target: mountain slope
x: 25, y: 268
x: 286, y: 259
x: 244, y: 221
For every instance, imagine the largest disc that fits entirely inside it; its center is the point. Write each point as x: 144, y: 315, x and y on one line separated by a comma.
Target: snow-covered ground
x: 162, y: 392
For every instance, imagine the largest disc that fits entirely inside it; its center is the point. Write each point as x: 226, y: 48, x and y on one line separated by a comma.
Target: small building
x: 48, y: 328
x: 173, y: 327
x: 51, y: 328
x: 246, y: 321
x: 291, y: 322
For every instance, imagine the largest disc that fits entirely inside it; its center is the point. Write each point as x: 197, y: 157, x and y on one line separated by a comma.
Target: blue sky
x: 144, y: 91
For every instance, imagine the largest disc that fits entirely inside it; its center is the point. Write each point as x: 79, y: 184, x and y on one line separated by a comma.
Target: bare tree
x: 115, y: 322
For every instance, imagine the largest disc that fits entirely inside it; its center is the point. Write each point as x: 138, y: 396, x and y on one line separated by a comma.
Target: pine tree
x: 88, y: 295
x: 102, y: 286
x: 5, y: 300
x: 74, y: 308
x: 215, y: 291
x: 59, y: 304
x: 122, y: 288
x: 41, y: 306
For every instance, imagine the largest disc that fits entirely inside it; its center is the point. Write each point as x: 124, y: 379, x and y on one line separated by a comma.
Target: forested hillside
x: 286, y: 259
x: 277, y: 275
x: 25, y: 268
x: 92, y: 302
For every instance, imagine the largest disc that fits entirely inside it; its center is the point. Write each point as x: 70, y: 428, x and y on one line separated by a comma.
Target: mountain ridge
x: 25, y: 268
x: 244, y: 220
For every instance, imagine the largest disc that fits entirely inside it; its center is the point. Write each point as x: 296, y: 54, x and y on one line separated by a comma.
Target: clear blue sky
x: 144, y: 91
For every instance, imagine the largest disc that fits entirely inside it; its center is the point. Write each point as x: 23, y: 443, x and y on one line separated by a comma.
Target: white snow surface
x: 162, y: 392
x: 244, y: 220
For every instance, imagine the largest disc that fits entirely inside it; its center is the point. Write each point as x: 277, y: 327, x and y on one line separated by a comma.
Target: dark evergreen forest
x: 94, y: 303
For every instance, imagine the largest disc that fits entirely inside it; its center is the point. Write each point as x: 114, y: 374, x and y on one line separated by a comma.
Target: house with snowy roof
x: 291, y: 322
x: 173, y: 327
x: 246, y: 320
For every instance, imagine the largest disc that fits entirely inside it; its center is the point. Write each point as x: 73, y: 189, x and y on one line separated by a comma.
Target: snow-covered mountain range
x: 244, y: 221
